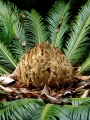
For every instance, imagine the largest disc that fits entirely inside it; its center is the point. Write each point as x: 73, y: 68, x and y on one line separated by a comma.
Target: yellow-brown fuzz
x: 44, y: 64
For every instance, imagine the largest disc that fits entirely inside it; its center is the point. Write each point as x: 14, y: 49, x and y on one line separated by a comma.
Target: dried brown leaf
x: 30, y: 93
x: 86, y: 94
x: 45, y: 91
x: 6, y: 89
x: 5, y: 80
x: 83, y: 77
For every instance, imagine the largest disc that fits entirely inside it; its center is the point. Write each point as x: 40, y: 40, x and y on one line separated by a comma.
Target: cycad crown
x: 44, y: 65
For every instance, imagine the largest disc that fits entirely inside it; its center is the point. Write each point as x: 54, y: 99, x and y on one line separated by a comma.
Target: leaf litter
x: 11, y: 89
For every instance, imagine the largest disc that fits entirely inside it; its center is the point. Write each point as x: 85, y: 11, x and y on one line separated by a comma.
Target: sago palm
x: 57, y: 27
x: 44, y: 59
x: 45, y: 63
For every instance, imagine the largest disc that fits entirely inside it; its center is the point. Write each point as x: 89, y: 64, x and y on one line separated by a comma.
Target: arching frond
x: 75, y: 113
x: 80, y: 101
x: 79, y: 110
x: 85, y: 67
x: 47, y: 112
x: 32, y: 109
x: 18, y: 39
x: 4, y: 70
x: 17, y: 49
x: 6, y: 58
x: 22, y: 109
x: 11, y: 28
x: 57, y: 23
x: 34, y: 27
x: 78, y: 41
x: 7, y: 20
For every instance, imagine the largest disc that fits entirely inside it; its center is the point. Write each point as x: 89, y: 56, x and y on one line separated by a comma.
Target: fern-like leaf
x: 47, y: 112
x: 16, y: 45
x: 85, y: 67
x: 57, y: 23
x: 75, y: 113
x: 6, y: 58
x: 34, y: 109
x: 11, y: 29
x: 17, y: 49
x: 80, y: 101
x: 22, y: 109
x: 6, y: 22
x: 18, y: 39
x: 4, y: 70
x: 34, y: 27
x: 79, y: 110
x: 78, y: 41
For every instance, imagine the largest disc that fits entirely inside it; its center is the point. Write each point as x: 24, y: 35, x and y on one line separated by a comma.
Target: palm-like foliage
x: 33, y: 29
x: 20, y: 109
x: 11, y: 37
x: 79, y: 40
x: 85, y: 67
x: 4, y: 70
x: 32, y: 109
x: 79, y: 110
x: 49, y: 111
x: 6, y: 58
x: 57, y: 19
x: 9, y: 24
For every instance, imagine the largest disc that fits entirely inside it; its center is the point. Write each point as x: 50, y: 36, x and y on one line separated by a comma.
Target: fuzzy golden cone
x: 44, y: 65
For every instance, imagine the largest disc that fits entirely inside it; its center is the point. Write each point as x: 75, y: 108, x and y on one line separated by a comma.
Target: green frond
x: 3, y: 8
x: 57, y: 19
x: 18, y: 39
x: 4, y: 70
x: 47, y: 112
x: 22, y: 109
x: 79, y: 110
x: 75, y: 112
x: 6, y: 58
x: 78, y: 41
x: 34, y: 27
x: 11, y: 29
x: 19, y: 33
x: 80, y: 101
x: 85, y: 67
x: 17, y: 49
x: 7, y: 19
x: 36, y: 109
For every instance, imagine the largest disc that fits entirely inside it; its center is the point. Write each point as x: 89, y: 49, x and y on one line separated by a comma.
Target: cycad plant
x: 55, y: 31
x: 61, y: 40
